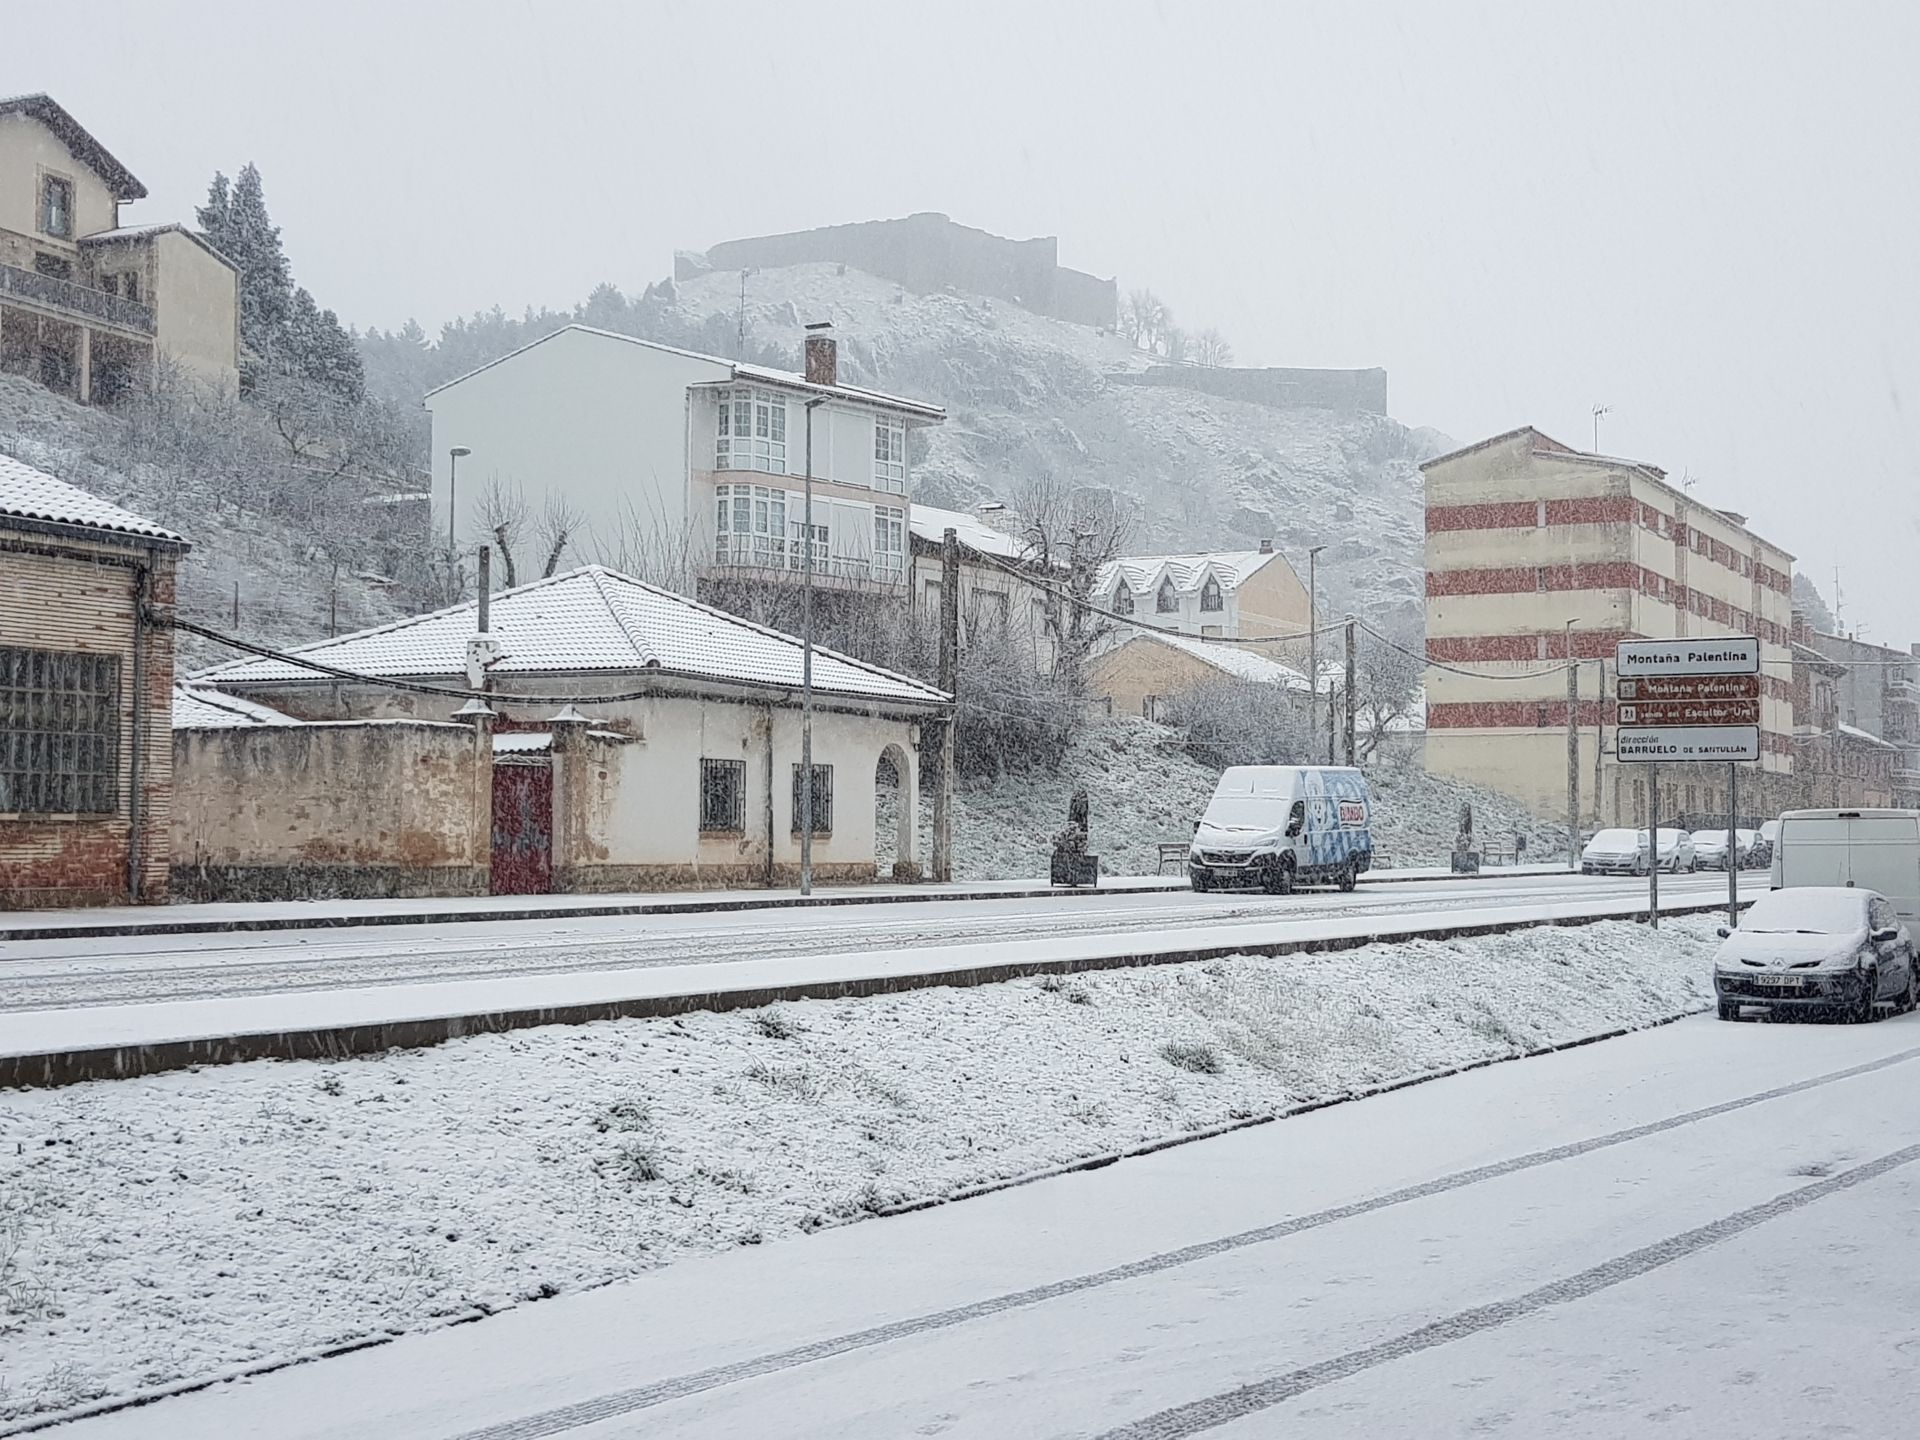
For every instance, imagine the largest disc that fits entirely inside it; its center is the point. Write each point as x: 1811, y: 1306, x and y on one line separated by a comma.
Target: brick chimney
x: 823, y: 359
x: 1266, y: 547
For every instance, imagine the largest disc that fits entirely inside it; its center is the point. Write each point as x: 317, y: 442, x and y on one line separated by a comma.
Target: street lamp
x: 1313, y: 649
x: 806, y: 667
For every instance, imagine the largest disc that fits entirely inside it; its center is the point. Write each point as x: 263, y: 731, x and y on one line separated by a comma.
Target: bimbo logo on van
x: 1353, y: 812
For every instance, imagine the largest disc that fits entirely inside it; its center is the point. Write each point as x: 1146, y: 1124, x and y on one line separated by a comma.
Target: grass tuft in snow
x: 1200, y: 1058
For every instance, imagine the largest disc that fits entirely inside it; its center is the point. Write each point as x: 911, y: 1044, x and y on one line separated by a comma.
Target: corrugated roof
x: 196, y: 707
x: 1232, y: 568
x: 973, y: 532
x: 589, y: 620
x: 31, y: 494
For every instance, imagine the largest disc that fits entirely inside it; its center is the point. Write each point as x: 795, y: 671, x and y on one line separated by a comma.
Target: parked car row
x: 1626, y: 852
x: 1835, y: 934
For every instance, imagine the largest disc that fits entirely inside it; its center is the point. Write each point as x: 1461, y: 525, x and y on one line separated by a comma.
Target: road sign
x: 1689, y: 743
x: 1689, y: 712
x: 1692, y: 687
x: 1709, y: 655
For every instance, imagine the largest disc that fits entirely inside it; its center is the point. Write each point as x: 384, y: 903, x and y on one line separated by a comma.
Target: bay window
x: 752, y: 431
x: 750, y: 526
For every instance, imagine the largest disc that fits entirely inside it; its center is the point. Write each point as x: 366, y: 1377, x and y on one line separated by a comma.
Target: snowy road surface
x: 131, y: 970
x: 1704, y: 1230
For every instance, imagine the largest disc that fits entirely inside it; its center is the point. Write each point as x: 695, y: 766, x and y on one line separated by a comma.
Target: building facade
x: 1223, y: 595
x: 680, y: 465
x: 1536, y: 552
x: 88, y: 307
x: 86, y: 666
x: 1877, y: 692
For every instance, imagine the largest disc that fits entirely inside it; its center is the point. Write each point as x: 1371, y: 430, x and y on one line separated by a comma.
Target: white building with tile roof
x: 682, y: 466
x: 1224, y: 595
x: 668, y: 733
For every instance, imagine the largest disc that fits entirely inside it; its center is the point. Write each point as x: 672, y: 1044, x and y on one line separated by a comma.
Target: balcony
x: 1903, y: 692
x: 74, y: 302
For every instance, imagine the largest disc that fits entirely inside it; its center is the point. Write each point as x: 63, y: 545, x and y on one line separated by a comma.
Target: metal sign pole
x: 1653, y: 846
x: 1733, y: 845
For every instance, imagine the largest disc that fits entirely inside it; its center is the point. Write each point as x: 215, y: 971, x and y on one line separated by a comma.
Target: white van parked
x: 1862, y: 849
x: 1275, y: 826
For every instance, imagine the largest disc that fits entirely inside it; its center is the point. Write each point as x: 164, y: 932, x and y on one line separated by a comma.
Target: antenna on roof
x: 1598, y: 411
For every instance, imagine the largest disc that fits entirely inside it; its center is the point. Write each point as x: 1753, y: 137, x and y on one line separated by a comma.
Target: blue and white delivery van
x: 1277, y: 826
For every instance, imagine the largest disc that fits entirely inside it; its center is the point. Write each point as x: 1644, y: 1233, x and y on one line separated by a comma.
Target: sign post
x: 1689, y: 702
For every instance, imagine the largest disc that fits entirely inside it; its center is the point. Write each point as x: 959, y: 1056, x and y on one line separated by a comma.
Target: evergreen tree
x: 236, y: 224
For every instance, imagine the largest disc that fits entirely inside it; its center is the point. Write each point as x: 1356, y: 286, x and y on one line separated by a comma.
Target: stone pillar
x: 480, y: 853
x: 570, y: 764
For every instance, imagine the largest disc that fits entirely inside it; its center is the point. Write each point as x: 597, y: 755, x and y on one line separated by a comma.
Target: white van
x: 1865, y: 849
x: 1277, y: 825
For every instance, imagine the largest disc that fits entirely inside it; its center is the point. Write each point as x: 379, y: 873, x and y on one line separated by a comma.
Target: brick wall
x: 80, y: 596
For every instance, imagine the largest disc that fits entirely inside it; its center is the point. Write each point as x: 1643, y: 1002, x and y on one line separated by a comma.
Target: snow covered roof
x: 540, y: 742
x: 1232, y: 568
x: 735, y: 371
x: 932, y: 524
x: 587, y: 620
x: 30, y: 494
x: 1231, y: 660
x: 1865, y: 737
x: 74, y: 136
x: 197, y: 707
x: 147, y: 232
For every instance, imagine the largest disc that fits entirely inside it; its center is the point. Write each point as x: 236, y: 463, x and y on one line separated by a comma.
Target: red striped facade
x: 1547, y: 715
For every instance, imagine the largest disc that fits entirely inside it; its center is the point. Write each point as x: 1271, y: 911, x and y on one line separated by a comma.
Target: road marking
x: 587, y: 1412
x: 1215, y: 1410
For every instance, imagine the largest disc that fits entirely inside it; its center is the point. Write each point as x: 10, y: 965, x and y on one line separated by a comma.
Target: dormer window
x: 56, y: 206
x: 1167, y: 600
x: 1210, y: 596
x: 752, y: 431
x: 1123, y: 599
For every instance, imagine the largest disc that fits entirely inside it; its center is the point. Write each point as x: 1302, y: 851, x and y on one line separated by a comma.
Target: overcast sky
x: 1701, y: 215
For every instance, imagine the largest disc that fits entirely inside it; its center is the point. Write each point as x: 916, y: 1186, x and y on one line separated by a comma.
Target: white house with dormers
x: 671, y: 457
x: 1222, y: 595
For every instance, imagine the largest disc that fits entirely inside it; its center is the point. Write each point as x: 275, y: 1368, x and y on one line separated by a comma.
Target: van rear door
x: 1883, y: 853
x: 1812, y: 851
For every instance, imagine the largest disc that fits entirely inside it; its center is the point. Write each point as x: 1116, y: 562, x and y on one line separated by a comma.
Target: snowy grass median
x: 184, y: 1226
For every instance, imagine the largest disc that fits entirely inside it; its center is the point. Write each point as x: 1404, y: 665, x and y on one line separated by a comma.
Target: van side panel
x: 1870, y: 852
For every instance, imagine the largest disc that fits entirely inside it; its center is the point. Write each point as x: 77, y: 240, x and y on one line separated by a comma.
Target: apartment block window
x: 723, y: 797
x: 1166, y: 600
x: 750, y: 526
x: 59, y: 733
x: 797, y: 545
x: 1123, y: 599
x: 889, y: 455
x: 1540, y: 579
x: 822, y: 799
x: 1210, y: 596
x: 1539, y: 717
x: 752, y: 431
x: 889, y: 544
x: 56, y: 206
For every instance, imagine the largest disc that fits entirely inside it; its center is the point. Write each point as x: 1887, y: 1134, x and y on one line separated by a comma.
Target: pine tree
x: 236, y: 224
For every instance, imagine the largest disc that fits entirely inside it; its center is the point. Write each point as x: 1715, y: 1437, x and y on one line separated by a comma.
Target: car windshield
x: 1246, y: 812
x: 1615, y: 840
x: 1807, y: 912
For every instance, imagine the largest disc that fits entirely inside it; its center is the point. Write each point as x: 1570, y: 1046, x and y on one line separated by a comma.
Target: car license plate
x: 1776, y: 980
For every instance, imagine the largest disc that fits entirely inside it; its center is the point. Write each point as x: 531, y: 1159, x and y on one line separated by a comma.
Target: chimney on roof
x: 823, y: 359
x: 1266, y: 547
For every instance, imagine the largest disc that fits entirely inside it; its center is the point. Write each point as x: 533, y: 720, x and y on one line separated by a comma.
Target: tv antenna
x: 1598, y: 411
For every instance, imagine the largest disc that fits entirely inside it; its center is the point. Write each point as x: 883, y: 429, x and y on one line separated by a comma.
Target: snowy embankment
x: 177, y: 1228
x: 1144, y: 789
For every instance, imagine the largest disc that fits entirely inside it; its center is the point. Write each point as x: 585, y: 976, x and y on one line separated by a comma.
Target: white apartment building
x: 1221, y: 595
x: 677, y: 461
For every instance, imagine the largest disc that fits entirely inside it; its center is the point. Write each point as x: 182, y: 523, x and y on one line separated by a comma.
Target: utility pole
x: 806, y: 655
x: 1733, y: 844
x: 453, y: 509
x: 1573, y: 754
x: 1313, y: 649
x: 1653, y: 846
x: 1351, y: 627
x: 949, y: 682
x: 1599, y: 740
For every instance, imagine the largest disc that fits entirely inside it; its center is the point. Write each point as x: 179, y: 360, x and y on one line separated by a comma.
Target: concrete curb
x: 50, y: 1069
x: 722, y: 901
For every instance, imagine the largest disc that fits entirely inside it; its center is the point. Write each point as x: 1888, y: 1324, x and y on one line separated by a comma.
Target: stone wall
x: 1363, y: 391
x: 928, y: 253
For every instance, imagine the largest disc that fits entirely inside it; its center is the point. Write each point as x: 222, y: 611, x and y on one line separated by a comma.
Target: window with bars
x: 822, y: 799
x: 59, y: 732
x: 889, y: 455
x: 723, y: 797
x: 751, y: 432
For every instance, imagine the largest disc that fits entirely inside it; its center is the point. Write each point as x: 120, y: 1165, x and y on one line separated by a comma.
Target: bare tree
x: 502, y: 523
x: 1386, y: 693
x: 1210, y: 349
x: 1067, y: 534
x: 559, y: 523
x: 1145, y: 319
x: 1176, y: 344
x: 1241, y: 722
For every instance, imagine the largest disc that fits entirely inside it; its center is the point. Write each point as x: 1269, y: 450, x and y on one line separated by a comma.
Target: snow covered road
x: 132, y: 970
x: 1704, y: 1229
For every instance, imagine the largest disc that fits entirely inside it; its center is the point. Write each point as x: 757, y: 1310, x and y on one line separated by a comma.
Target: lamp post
x: 1313, y: 647
x: 453, y: 497
x: 806, y: 667
x: 1573, y: 754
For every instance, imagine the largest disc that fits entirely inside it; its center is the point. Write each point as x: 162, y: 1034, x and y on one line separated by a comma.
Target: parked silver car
x: 1829, y: 949
x: 1624, y: 852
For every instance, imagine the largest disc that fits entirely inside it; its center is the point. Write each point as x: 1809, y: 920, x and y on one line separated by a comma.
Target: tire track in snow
x: 1198, y: 1416
x: 587, y: 1412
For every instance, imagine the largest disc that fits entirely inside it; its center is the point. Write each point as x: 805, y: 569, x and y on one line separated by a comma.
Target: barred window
x: 59, y: 732
x: 723, y: 796
x: 822, y: 799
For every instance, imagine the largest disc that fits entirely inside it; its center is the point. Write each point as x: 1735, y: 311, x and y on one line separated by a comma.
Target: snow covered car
x: 1624, y: 852
x: 1710, y: 849
x: 1824, y: 948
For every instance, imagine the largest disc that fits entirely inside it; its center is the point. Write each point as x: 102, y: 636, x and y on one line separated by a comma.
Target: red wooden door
x: 522, y: 830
